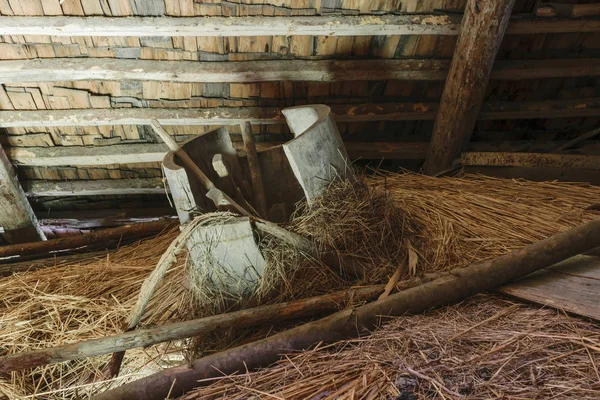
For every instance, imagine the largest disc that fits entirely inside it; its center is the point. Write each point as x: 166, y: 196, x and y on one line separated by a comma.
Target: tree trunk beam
x: 481, y: 34
x: 78, y: 69
x: 272, y: 115
x: 17, y: 220
x: 89, y: 239
x: 457, y: 285
x: 385, y: 25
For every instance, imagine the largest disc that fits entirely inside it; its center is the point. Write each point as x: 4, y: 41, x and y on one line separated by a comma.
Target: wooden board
x: 572, y: 285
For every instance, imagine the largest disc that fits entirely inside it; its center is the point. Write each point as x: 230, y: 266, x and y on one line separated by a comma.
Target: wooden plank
x: 78, y: 69
x: 366, y: 25
x: 502, y: 159
x: 572, y: 285
x: 272, y: 115
x: 17, y: 218
x: 481, y: 34
x: 154, y: 152
x: 539, y: 174
x: 90, y: 219
x: 94, y: 187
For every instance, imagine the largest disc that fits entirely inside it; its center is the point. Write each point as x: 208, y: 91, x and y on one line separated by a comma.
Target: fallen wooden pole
x: 145, y: 337
x: 460, y: 283
x: 258, y: 188
x: 96, y: 239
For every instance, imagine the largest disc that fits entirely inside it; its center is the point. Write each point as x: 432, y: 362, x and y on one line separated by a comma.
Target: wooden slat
x: 572, y: 285
x: 272, y: 115
x: 94, y: 187
x: 17, y: 219
x: 143, y: 153
x: 502, y: 159
x: 70, y: 69
x: 385, y: 25
x: 428, y: 24
x: 481, y: 34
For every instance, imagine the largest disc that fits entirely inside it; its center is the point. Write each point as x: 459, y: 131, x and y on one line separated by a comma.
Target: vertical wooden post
x: 482, y: 30
x: 16, y: 216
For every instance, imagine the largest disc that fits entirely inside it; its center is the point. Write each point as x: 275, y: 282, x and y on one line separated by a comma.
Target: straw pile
x: 84, y: 300
x: 485, y: 348
x: 448, y: 222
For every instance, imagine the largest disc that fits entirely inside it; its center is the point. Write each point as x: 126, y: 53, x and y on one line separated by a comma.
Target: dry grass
x: 473, y: 218
x: 450, y: 222
x: 83, y: 300
x: 485, y: 348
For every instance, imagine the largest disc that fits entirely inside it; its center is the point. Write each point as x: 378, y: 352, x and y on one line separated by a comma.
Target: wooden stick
x: 97, y: 238
x: 578, y: 139
x: 457, y: 285
x: 146, y: 337
x: 188, y: 162
x: 255, y: 175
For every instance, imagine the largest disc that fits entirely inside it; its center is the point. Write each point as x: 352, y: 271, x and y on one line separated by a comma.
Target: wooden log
x: 384, y: 25
x: 77, y: 69
x: 98, y: 187
x: 577, y: 140
x: 425, y: 24
x: 457, y: 285
x: 258, y: 188
x: 309, y: 307
x: 481, y: 33
x: 530, y: 160
x: 96, y: 238
x: 17, y: 219
x: 136, y: 153
x: 272, y: 115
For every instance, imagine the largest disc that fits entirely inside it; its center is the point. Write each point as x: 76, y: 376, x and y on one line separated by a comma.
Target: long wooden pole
x: 481, y: 33
x: 95, y: 238
x: 460, y: 283
x: 258, y: 188
x: 146, y: 337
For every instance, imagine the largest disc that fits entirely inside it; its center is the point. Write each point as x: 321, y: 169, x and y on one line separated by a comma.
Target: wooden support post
x: 481, y: 33
x: 16, y: 216
x: 258, y: 188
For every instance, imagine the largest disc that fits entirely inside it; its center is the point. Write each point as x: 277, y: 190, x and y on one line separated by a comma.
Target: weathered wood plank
x: 481, y: 34
x: 272, y: 115
x: 154, y: 152
x: 572, y: 285
x: 504, y: 159
x: 16, y: 216
x: 96, y: 187
x: 428, y: 24
x: 77, y: 69
x: 384, y: 25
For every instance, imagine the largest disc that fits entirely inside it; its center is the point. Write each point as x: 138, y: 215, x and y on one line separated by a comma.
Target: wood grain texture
x: 481, y: 34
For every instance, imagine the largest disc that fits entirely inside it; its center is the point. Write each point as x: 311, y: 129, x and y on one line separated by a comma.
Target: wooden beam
x: 546, y: 160
x: 153, y: 152
x: 99, y: 187
x: 105, y: 218
x: 17, y: 219
x: 272, y: 115
x: 77, y: 69
x: 481, y: 34
x: 577, y: 140
x: 424, y: 24
x: 364, y: 25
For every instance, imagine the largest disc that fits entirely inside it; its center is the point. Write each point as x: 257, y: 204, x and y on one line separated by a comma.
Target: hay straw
x: 450, y: 222
x: 473, y: 218
x: 505, y: 350
x: 84, y: 300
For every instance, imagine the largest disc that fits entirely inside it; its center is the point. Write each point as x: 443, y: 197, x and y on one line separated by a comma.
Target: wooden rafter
x: 272, y: 115
x: 367, y: 25
x: 77, y: 69
x: 481, y: 33
x: 144, y: 153
x: 16, y: 216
